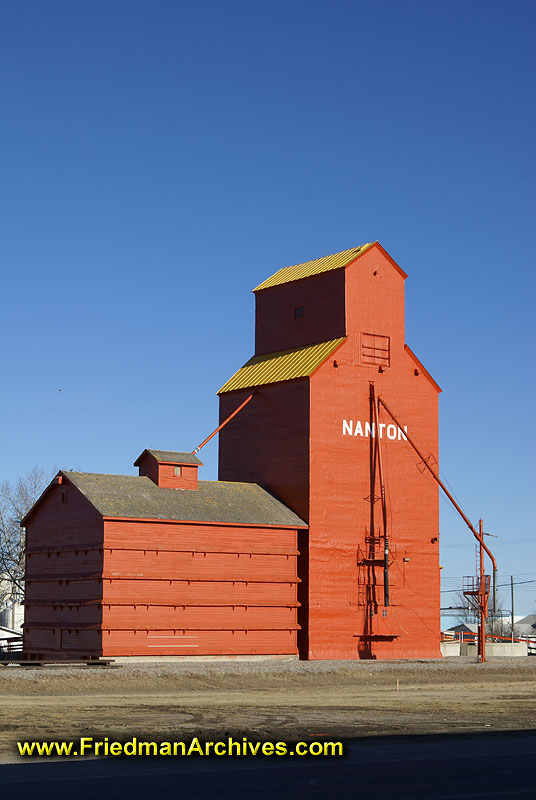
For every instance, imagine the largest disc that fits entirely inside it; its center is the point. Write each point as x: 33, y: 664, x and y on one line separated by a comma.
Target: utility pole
x: 512, y: 595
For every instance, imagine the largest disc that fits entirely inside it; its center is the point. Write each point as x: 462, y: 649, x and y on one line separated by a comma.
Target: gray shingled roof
x: 214, y: 501
x: 171, y: 456
x: 528, y: 621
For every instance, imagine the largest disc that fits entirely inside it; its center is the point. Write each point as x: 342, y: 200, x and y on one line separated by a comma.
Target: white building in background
x: 11, y: 608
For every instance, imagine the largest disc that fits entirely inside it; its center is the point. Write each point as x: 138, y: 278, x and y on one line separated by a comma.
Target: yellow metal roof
x: 308, y: 268
x: 282, y: 366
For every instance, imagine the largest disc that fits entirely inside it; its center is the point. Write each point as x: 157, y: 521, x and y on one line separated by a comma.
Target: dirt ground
x: 272, y: 699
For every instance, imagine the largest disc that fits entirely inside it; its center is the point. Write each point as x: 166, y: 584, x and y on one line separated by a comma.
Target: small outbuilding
x: 159, y: 564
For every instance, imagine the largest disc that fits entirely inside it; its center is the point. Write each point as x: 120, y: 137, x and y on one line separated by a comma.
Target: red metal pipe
x: 482, y: 600
x: 224, y: 423
x: 440, y: 482
x: 480, y: 538
x: 384, y: 504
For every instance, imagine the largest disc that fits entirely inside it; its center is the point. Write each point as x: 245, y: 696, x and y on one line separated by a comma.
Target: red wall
x: 276, y: 326
x: 127, y: 587
x: 340, y: 517
x: 64, y: 558
x: 198, y: 589
x: 163, y: 474
x: 268, y: 441
x: 342, y: 613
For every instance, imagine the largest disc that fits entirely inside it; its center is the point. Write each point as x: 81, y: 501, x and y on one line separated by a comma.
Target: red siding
x: 73, y: 615
x: 163, y: 474
x: 63, y: 591
x: 340, y: 590
x: 222, y: 588
x: 339, y: 615
x: 206, y: 618
x: 268, y: 441
x: 204, y: 537
x: 199, y: 565
x: 63, y: 562
x: 193, y: 643
x: 192, y: 593
x: 276, y: 325
x: 187, y: 589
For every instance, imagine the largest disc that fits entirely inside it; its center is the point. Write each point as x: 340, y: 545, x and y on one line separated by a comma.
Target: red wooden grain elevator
x: 322, y: 531
x: 329, y: 335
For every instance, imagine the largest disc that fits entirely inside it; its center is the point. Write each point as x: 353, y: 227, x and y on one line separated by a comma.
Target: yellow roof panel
x: 308, y: 268
x: 285, y: 365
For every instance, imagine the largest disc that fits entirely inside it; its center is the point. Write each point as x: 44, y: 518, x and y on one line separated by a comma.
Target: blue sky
x: 159, y: 159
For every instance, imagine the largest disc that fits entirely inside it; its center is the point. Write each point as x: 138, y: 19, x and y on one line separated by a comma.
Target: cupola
x: 169, y: 469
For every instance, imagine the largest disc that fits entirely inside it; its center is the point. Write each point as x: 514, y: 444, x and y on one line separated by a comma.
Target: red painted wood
x: 191, y: 642
x: 74, y: 562
x: 156, y: 617
x: 200, y: 592
x: 291, y: 439
x: 268, y: 442
x: 303, y: 420
x: 79, y: 642
x: 62, y: 615
x: 193, y: 566
x: 277, y: 327
x: 199, y: 537
x: 163, y: 474
x: 340, y: 484
x: 63, y: 591
x: 56, y: 524
x: 137, y: 577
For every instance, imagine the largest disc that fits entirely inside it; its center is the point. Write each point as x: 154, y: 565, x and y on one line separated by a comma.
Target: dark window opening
x: 298, y: 312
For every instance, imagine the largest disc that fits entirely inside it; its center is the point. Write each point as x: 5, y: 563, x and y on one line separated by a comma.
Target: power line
x: 499, y: 586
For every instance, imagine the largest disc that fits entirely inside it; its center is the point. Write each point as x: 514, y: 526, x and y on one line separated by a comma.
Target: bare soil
x: 272, y: 699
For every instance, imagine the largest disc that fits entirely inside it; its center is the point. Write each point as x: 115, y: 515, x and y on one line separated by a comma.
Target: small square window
x: 384, y: 612
x: 298, y: 312
x: 375, y: 349
x: 178, y: 471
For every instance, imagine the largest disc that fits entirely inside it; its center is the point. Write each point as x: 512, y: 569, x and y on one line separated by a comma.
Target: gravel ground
x: 266, y: 699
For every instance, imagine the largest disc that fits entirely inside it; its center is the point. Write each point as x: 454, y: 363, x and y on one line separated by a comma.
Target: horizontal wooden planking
x: 162, y: 592
x: 63, y: 548
x: 198, y: 592
x: 181, y: 547
x: 219, y: 566
x: 59, y: 564
x: 158, y: 617
x: 56, y: 640
x: 52, y: 578
x: 63, y: 591
x: 56, y: 522
x: 202, y: 537
x: 52, y: 615
x: 198, y: 643
x: 79, y: 639
x: 160, y: 643
x: 202, y: 617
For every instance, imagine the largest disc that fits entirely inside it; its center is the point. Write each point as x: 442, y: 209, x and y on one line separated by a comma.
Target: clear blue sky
x: 159, y: 159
